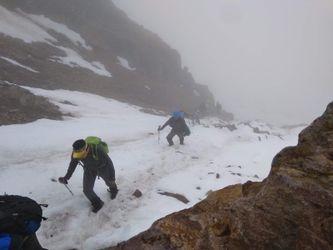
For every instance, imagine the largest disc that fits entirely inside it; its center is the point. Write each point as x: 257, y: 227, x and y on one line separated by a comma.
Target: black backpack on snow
x: 19, y: 215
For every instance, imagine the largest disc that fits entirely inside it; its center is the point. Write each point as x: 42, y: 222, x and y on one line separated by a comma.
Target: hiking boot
x: 97, y: 206
x: 171, y: 144
x: 113, y: 192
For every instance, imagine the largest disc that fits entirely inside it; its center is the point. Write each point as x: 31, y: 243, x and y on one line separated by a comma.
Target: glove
x: 159, y: 128
x: 113, y: 190
x: 63, y: 180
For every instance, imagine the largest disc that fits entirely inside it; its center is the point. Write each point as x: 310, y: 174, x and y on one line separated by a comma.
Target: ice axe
x: 54, y: 180
x: 159, y: 134
x: 68, y: 189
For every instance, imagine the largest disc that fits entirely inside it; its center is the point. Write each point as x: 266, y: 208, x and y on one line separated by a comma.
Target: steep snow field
x: 36, y: 28
x: 212, y: 158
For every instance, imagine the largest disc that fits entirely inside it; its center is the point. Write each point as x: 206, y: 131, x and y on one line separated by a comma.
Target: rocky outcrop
x: 154, y: 76
x: 291, y: 209
x: 18, y: 105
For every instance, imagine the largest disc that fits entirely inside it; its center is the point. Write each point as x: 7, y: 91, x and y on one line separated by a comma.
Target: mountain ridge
x: 104, y: 37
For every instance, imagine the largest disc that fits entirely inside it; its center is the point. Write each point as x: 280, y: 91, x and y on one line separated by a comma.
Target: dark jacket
x: 91, y: 163
x: 177, y: 124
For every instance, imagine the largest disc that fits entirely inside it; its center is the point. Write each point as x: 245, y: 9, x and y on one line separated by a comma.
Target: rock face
x: 291, y: 209
x: 20, y: 106
x: 65, y: 42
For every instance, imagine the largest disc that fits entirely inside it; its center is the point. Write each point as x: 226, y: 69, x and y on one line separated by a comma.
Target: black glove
x: 63, y: 180
x: 159, y: 128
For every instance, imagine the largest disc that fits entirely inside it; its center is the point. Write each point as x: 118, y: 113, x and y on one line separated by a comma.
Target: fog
x: 264, y: 59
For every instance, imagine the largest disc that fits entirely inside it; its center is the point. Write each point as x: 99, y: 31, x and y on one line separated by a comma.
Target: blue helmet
x: 178, y: 114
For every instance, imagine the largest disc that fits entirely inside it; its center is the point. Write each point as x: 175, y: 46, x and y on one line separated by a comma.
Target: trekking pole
x: 159, y: 135
x: 69, y: 189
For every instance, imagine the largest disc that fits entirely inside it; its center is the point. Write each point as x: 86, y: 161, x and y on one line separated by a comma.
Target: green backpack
x: 96, y: 142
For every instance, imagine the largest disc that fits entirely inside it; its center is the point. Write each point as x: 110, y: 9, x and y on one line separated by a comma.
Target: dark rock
x: 179, y: 197
x: 18, y: 105
x: 137, y: 193
x: 217, y: 176
x: 231, y: 127
x: 258, y: 131
x: 291, y: 209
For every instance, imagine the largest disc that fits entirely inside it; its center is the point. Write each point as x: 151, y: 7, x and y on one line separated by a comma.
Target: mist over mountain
x: 92, y: 46
x: 262, y: 59
x: 72, y: 69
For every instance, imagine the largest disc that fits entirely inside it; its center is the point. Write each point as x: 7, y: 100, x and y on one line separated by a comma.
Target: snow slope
x: 60, y: 28
x: 35, y: 28
x: 36, y: 152
x: 15, y: 25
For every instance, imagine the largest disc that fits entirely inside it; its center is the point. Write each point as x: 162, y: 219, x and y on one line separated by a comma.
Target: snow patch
x: 147, y: 87
x: 140, y: 163
x: 73, y: 59
x: 18, y: 64
x: 124, y: 63
x: 29, y: 28
x: 60, y: 28
x: 15, y: 25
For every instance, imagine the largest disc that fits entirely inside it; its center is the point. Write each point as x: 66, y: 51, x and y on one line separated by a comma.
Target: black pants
x: 89, y: 177
x: 172, y: 134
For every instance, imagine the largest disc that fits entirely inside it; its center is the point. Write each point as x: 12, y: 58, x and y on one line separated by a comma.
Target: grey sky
x: 267, y: 59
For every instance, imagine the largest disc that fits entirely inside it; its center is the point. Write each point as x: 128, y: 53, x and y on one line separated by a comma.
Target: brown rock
x: 137, y: 193
x: 291, y: 209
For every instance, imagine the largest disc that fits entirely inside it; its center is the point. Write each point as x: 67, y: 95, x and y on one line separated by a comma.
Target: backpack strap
x: 95, y: 155
x: 94, y: 151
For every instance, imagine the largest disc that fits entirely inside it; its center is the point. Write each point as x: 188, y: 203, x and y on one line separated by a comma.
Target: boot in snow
x: 97, y: 206
x: 113, y: 192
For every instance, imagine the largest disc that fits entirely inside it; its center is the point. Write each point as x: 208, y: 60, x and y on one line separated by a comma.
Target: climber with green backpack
x: 92, y: 155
